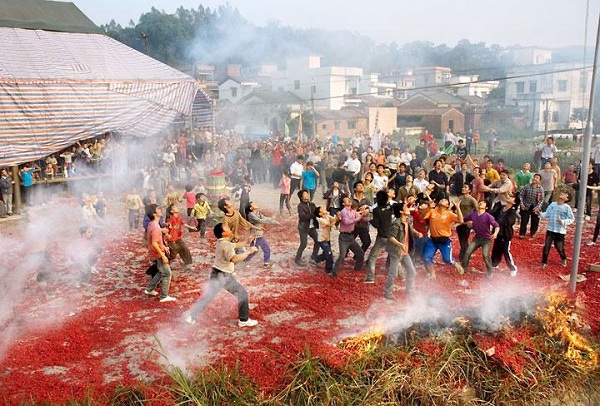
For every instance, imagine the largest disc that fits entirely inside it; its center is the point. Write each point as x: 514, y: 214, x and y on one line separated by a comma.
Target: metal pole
x: 585, y: 161
x: 546, y: 122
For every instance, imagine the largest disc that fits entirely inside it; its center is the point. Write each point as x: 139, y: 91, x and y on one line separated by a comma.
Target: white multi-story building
x: 325, y: 87
x: 469, y: 85
x: 550, y: 96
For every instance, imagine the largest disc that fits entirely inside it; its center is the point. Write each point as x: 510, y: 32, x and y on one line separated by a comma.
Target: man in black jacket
x: 307, y: 226
x: 506, y: 219
x: 382, y: 221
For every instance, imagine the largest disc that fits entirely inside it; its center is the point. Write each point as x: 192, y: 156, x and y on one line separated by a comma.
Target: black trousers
x: 362, y: 232
x: 559, y: 243
x: 501, y: 249
x: 463, y: 233
x: 526, y: 215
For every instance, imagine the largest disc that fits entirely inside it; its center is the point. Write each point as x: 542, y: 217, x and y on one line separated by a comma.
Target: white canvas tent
x: 60, y: 87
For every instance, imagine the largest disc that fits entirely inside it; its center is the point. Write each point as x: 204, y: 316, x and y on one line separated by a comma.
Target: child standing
x: 256, y: 218
x: 326, y: 222
x: 284, y: 192
x: 200, y: 212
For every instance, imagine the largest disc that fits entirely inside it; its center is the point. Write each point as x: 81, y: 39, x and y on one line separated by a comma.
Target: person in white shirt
x: 296, y: 169
x: 406, y: 156
x: 353, y: 165
x: 380, y: 181
x: 547, y: 150
x: 449, y: 139
x: 421, y: 182
x: 393, y: 160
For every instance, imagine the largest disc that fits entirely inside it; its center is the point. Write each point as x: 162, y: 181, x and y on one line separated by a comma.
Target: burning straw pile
x: 520, y: 359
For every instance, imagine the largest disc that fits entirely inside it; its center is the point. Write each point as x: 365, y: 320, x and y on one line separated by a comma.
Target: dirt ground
x: 61, y: 342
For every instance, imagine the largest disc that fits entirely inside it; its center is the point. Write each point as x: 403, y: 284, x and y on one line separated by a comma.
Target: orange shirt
x: 440, y: 223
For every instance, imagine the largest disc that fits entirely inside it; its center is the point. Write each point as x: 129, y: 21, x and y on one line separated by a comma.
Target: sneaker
x: 591, y: 243
x: 368, y: 281
x: 167, y: 299
x: 150, y: 293
x: 489, y: 275
x: 521, y: 237
x: 313, y: 261
x: 544, y: 266
x: 587, y: 218
x: 189, y: 320
x: 268, y: 265
x: 247, y: 323
x: 513, y: 273
x: 300, y: 263
x: 389, y: 296
x: 564, y: 262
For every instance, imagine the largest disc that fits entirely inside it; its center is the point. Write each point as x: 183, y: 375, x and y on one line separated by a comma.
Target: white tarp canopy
x: 57, y: 88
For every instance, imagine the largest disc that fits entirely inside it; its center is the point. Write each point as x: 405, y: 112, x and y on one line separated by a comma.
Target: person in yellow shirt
x: 492, y: 174
x: 200, y: 212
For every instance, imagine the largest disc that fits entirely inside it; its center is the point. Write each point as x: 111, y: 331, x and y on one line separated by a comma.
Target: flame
x: 363, y: 343
x: 559, y: 320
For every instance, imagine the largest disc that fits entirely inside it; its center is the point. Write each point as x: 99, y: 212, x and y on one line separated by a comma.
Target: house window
x: 313, y: 89
x: 555, y: 117
x: 562, y: 85
x: 281, y: 89
x: 353, y: 91
x: 352, y: 125
x: 520, y: 87
x: 233, y: 91
x: 337, y: 125
x: 296, y: 84
x: 533, y: 86
x: 324, y: 126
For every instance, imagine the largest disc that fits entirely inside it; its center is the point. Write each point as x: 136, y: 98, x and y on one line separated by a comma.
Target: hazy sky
x: 546, y: 23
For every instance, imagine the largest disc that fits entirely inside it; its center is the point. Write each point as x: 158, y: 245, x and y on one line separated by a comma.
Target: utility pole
x: 585, y: 159
x: 546, y: 119
x: 312, y: 111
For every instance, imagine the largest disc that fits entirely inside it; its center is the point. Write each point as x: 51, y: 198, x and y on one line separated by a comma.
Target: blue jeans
x: 380, y: 244
x: 163, y: 276
x: 418, y: 247
x: 326, y: 255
